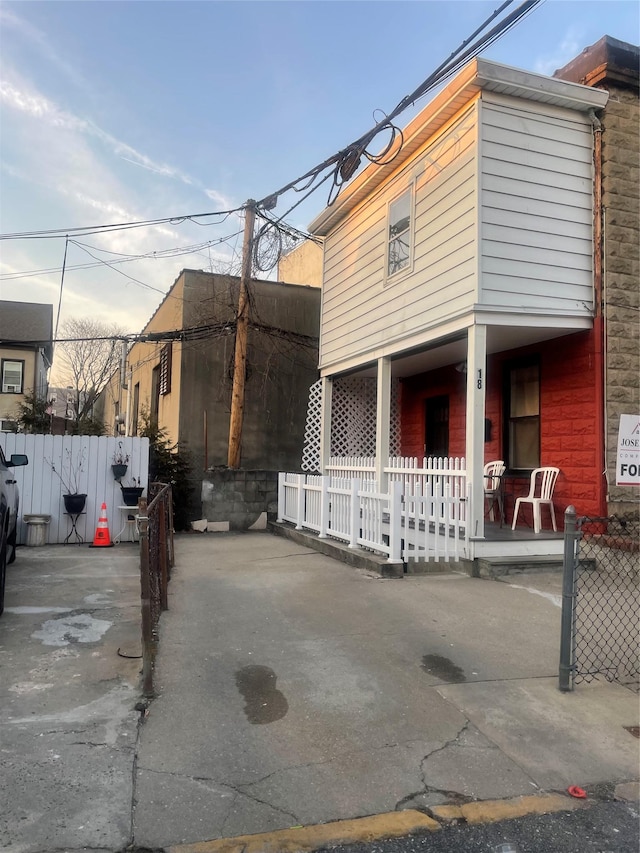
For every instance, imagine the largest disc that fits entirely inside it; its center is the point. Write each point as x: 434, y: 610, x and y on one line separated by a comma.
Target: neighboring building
x: 466, y: 272
x: 302, y: 265
x: 614, y: 66
x: 183, y: 379
x: 26, y: 352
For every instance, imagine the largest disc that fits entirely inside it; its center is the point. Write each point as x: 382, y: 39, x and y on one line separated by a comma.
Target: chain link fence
x: 155, y: 521
x: 601, y: 601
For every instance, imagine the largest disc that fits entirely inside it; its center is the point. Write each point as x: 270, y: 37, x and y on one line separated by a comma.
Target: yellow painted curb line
x: 376, y: 827
x: 491, y: 811
x: 307, y: 838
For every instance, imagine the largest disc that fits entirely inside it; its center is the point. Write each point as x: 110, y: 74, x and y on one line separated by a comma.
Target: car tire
x: 11, y: 546
x: 3, y: 568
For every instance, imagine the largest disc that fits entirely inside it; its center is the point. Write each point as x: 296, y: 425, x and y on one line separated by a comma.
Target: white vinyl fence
x: 83, y: 462
x: 427, y: 523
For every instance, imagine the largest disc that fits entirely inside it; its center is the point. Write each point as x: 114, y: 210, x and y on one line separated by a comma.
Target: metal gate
x: 600, y: 602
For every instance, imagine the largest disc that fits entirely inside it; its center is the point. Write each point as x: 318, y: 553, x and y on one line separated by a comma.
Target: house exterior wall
x: 503, y: 222
x: 362, y: 310
x: 535, y: 207
x: 621, y: 201
x: 303, y: 265
x: 34, y: 379
x: 142, y: 358
x: 282, y: 365
x: 568, y: 415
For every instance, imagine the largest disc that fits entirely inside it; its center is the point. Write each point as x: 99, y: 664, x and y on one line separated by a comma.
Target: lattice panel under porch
x: 353, y: 420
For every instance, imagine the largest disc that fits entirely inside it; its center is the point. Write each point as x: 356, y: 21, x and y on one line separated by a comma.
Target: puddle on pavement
x: 257, y: 685
x: 443, y: 668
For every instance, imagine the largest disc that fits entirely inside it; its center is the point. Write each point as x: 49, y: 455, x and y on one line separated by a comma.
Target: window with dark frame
x: 136, y: 407
x: 12, y: 376
x: 522, y: 414
x: 155, y: 393
x: 399, y: 236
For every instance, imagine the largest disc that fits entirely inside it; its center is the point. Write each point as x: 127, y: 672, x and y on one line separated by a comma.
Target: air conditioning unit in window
x: 12, y: 389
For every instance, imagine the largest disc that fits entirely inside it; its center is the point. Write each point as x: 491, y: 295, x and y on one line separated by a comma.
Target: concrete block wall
x: 621, y: 200
x: 238, y: 498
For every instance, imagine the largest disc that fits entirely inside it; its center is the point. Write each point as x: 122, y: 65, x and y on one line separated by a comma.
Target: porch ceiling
x: 454, y: 350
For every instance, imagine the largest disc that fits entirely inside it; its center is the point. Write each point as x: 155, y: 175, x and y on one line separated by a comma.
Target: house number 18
x: 479, y: 380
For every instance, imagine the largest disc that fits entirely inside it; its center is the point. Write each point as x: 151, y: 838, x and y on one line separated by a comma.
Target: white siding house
x: 475, y: 239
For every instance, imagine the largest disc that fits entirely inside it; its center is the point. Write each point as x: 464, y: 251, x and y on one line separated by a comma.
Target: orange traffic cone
x: 102, y: 539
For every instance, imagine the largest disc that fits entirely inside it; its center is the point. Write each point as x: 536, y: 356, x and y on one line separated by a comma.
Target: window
x: 12, y: 375
x: 136, y: 407
x: 399, y: 238
x: 155, y: 393
x: 522, y: 415
x: 165, y: 369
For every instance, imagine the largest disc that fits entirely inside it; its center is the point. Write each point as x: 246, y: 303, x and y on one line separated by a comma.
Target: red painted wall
x: 568, y: 416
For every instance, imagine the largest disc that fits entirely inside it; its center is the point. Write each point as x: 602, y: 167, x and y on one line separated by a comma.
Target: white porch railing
x: 399, y: 524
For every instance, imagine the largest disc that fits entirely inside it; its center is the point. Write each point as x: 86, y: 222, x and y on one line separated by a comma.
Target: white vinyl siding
x: 362, y: 309
x: 536, y: 207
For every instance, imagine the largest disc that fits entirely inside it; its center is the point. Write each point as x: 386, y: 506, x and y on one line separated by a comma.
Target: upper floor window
x: 399, y: 236
x: 12, y: 376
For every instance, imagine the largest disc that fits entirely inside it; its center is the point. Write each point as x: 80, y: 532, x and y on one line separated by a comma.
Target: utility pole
x: 242, y: 324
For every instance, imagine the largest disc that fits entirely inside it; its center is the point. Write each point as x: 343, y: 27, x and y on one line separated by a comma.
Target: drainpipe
x: 598, y: 320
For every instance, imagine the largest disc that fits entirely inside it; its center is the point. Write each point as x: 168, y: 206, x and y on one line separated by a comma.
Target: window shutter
x: 165, y: 369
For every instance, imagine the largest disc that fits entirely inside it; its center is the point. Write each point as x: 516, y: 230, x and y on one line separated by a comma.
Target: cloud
x: 567, y: 49
x: 9, y: 20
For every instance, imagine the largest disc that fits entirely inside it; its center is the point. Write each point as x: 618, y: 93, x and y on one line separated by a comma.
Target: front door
x: 436, y: 426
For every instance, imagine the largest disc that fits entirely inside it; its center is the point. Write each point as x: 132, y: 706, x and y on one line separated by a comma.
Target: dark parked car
x: 9, y: 500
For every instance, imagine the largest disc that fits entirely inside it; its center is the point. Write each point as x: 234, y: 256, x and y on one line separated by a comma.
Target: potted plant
x: 69, y: 476
x: 120, y: 463
x: 131, y: 494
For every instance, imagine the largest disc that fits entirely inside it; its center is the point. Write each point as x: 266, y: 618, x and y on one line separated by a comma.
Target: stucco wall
x: 282, y: 365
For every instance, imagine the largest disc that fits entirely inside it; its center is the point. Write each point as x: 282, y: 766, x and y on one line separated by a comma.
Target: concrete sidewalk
x: 294, y: 690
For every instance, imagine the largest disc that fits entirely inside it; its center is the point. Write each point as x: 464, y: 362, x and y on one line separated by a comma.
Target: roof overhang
x: 478, y: 76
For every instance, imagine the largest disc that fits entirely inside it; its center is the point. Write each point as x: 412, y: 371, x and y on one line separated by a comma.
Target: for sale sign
x: 628, y: 459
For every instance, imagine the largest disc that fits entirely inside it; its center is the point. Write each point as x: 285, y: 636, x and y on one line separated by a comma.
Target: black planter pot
x: 131, y: 494
x: 74, y: 504
x: 119, y: 470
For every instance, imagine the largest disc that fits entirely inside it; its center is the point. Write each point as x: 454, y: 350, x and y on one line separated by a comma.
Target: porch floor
x: 494, y: 533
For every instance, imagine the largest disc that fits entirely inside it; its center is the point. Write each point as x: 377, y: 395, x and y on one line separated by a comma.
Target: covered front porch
x: 509, y: 391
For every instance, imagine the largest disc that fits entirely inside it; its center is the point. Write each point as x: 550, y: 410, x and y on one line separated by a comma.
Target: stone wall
x: 621, y: 201
x: 236, y: 500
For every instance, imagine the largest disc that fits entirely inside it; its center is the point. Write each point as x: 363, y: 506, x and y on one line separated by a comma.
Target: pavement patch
x: 307, y: 838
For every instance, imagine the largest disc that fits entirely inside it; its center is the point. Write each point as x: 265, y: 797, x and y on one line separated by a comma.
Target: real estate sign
x: 628, y: 457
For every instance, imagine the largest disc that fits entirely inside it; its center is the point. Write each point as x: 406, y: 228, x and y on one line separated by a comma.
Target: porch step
x: 494, y: 567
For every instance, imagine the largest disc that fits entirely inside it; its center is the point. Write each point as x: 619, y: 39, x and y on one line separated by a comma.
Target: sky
x: 115, y: 112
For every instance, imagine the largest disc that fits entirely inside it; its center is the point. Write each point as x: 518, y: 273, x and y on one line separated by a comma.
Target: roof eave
x: 478, y: 75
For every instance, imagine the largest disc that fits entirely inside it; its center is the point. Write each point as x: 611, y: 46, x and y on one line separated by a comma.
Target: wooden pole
x: 240, y: 361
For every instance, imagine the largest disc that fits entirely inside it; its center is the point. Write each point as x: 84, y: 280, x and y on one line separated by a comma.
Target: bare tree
x: 89, y: 352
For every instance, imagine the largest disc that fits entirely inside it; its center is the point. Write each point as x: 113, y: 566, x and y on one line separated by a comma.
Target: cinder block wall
x: 239, y: 497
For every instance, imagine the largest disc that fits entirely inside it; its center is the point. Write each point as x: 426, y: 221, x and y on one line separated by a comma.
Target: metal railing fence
x: 155, y: 523
x: 600, y: 635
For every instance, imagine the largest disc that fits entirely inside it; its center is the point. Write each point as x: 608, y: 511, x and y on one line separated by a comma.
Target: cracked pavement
x: 360, y: 725
x: 291, y: 689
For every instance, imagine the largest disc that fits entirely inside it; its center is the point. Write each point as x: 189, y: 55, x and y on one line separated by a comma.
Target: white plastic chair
x: 493, y: 471
x: 543, y: 481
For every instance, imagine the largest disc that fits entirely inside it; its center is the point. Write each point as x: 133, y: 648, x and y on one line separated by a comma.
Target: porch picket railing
x: 402, y: 526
